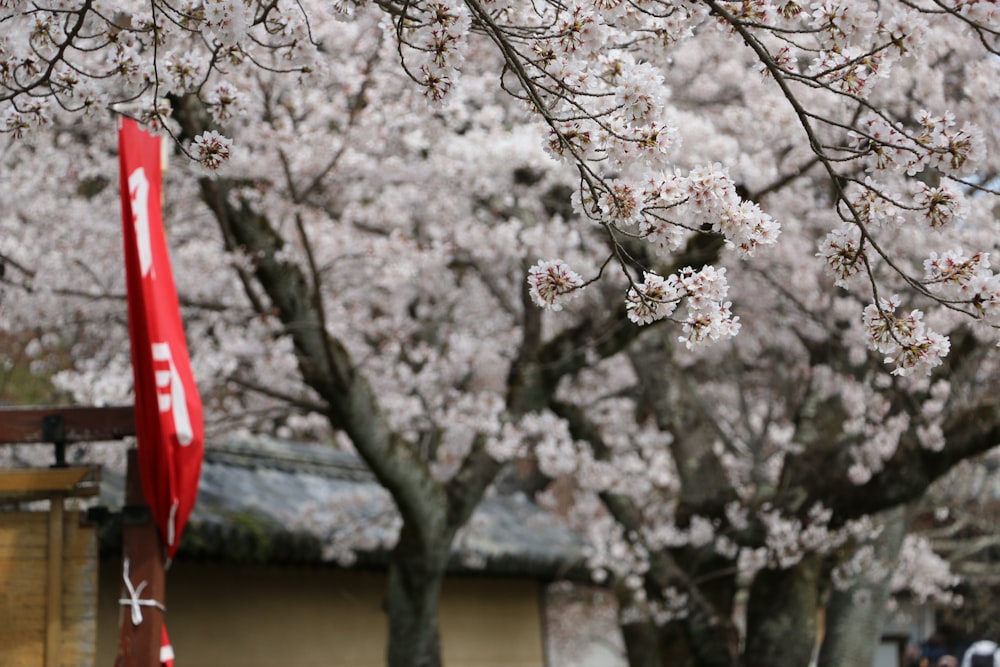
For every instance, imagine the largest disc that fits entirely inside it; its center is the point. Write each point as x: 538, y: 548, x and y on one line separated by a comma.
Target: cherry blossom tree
x: 757, y: 480
x: 453, y: 236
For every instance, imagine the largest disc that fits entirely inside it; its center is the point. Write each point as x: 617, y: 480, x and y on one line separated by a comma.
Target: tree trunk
x: 782, y: 616
x: 430, y: 515
x: 714, y: 638
x: 642, y: 646
x: 855, y: 616
x: 416, y: 574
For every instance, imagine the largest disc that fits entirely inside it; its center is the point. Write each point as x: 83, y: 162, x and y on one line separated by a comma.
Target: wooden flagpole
x: 143, y: 583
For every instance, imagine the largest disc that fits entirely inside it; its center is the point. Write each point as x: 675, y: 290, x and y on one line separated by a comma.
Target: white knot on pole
x: 133, y: 601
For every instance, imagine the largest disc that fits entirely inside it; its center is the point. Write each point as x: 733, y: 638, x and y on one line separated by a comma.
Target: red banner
x: 168, y: 408
x: 166, y: 649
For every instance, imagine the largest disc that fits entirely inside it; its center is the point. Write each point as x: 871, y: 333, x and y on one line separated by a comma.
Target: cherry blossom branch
x: 295, y: 401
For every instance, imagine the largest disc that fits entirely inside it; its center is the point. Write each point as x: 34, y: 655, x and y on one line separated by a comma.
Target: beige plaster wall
x: 255, y: 616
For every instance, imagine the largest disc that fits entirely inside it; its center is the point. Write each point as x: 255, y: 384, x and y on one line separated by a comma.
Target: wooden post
x: 54, y: 583
x: 139, y: 644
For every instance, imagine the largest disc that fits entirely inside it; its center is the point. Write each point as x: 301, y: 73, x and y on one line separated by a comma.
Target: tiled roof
x: 292, y: 502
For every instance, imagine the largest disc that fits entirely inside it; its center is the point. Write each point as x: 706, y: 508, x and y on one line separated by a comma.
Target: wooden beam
x: 76, y: 481
x: 79, y: 423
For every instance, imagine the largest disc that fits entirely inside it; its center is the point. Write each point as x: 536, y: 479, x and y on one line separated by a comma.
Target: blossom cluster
x: 611, y: 555
x: 936, y: 143
x: 789, y: 538
x: 668, y: 205
x: 864, y: 564
x: 966, y: 278
x: 906, y: 341
x: 434, y: 35
x: 925, y: 574
x: 709, y: 317
x: 552, y: 282
x: 663, y: 210
x: 842, y: 250
x: 877, y: 434
x: 670, y: 605
x: 86, y: 57
x: 228, y: 21
x: 211, y: 149
x: 942, y: 206
x: 852, y: 70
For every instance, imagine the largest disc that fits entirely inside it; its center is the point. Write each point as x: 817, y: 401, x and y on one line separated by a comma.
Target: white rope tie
x: 133, y: 600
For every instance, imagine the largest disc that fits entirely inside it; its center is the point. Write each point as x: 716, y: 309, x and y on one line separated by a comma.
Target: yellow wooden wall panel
x: 23, y: 594
x: 79, y: 620
x: 23, y: 542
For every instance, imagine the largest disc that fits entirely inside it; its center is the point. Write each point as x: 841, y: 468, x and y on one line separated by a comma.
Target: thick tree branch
x: 323, y: 360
